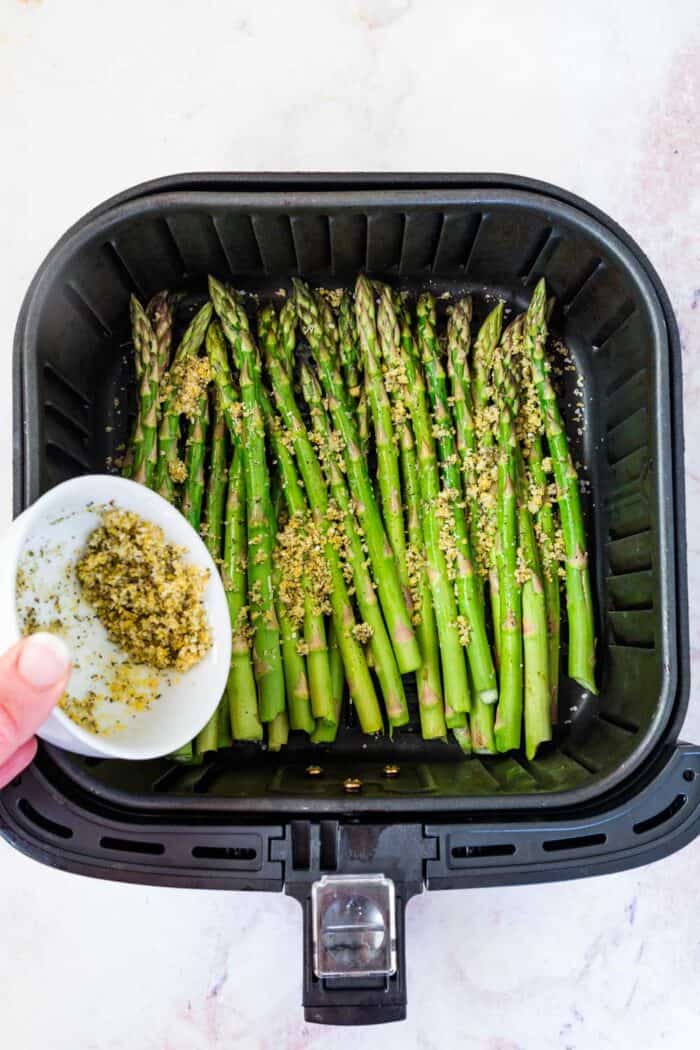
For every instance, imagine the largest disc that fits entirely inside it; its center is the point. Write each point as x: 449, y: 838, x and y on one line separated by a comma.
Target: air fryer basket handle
x: 353, y: 882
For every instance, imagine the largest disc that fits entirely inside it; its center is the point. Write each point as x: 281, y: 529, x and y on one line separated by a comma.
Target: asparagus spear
x: 270, y: 334
x: 242, y: 697
x: 359, y: 679
x: 454, y: 670
x: 510, y: 704
x: 146, y: 433
x: 384, y: 438
x: 169, y: 432
x: 326, y: 732
x: 208, y: 737
x: 380, y: 552
x: 537, y: 701
x: 550, y: 565
x: 349, y: 352
x: 288, y: 333
x: 380, y: 643
x: 314, y: 631
x: 266, y: 644
x: 483, y: 351
x: 195, y: 457
x: 429, y: 686
x: 278, y: 732
x: 160, y: 314
x: 295, y: 677
x: 467, y: 585
x: 579, y: 602
x: 458, y: 343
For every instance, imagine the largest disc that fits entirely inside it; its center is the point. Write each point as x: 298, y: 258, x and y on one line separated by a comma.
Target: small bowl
x: 55, y: 529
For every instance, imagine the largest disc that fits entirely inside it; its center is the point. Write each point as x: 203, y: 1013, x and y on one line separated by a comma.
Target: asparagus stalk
x: 278, y: 732
x: 428, y: 683
x: 359, y: 679
x: 270, y: 333
x: 454, y: 670
x: 579, y: 602
x: 288, y: 333
x: 380, y: 552
x: 295, y: 677
x: 195, y: 457
x: 482, y: 359
x: 510, y: 704
x: 380, y: 643
x: 169, y: 432
x: 319, y: 676
x: 208, y: 737
x: 146, y: 433
x: 160, y: 314
x: 348, y: 347
x: 384, y: 438
x: 464, y: 739
x: 537, y: 701
x: 469, y: 593
x: 550, y: 566
x: 266, y: 644
x: 326, y: 732
x: 458, y: 343
x: 240, y: 688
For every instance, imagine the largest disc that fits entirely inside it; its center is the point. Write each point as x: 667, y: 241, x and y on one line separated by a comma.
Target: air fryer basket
x: 489, y: 235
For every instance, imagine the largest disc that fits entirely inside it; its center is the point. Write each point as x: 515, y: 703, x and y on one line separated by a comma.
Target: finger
x: 33, y: 675
x: 19, y: 761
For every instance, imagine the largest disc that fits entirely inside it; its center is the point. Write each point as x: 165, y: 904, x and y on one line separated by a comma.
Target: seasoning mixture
x: 145, y: 595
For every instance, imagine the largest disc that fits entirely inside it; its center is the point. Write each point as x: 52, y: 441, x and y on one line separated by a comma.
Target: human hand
x: 33, y: 675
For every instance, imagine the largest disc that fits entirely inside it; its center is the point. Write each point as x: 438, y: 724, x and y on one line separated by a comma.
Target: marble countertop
x: 601, y: 98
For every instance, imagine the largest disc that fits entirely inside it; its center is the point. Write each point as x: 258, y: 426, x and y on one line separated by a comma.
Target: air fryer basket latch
x: 353, y: 926
x: 353, y: 882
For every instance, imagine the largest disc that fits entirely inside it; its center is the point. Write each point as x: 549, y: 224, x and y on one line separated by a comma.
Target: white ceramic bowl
x: 55, y: 529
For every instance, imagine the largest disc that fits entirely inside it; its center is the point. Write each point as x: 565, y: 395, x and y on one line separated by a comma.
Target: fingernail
x: 43, y: 660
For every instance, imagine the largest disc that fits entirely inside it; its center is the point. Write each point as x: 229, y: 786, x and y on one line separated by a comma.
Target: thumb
x: 33, y: 675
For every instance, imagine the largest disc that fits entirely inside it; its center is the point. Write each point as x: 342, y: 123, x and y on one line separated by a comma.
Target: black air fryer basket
x: 615, y: 790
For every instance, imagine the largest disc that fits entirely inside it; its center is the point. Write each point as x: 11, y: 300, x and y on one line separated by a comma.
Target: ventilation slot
x: 348, y: 244
x: 579, y: 842
x: 62, y: 465
x: 421, y: 237
x: 238, y: 243
x: 536, y: 258
x: 471, y: 247
x: 575, y: 291
x: 630, y: 554
x: 154, y: 849
x: 633, y: 628
x: 456, y: 242
x: 502, y: 849
x: 619, y: 386
x: 273, y: 235
x: 126, y: 276
x: 223, y: 853
x: 628, y: 436
x: 614, y: 325
x: 172, y: 248
x: 665, y: 814
x: 87, y: 312
x: 384, y: 242
x: 64, y: 420
x: 312, y: 246
x: 618, y: 722
x: 45, y: 823
x: 64, y: 392
x: 632, y: 591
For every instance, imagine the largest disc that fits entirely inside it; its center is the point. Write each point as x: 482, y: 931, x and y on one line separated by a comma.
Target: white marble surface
x: 600, y: 97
